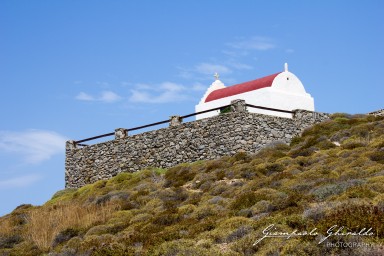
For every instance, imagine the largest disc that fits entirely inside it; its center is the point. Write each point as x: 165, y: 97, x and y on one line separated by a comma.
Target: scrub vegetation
x: 331, y: 175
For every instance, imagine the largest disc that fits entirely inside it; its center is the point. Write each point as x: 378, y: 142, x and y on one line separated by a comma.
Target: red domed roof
x: 241, y: 88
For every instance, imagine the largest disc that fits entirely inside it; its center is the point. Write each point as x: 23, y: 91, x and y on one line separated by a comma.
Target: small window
x: 287, y: 78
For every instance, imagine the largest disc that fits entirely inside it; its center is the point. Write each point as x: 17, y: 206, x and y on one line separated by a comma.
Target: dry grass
x: 6, y: 226
x: 45, y: 223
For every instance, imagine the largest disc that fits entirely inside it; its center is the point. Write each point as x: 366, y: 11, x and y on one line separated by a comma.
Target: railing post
x: 238, y: 106
x: 70, y: 144
x: 175, y: 120
x: 120, y: 133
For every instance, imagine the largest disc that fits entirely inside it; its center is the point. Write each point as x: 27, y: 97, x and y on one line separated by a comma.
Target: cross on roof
x: 216, y: 75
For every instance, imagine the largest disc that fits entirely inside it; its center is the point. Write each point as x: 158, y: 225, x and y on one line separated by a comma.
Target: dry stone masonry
x: 378, y: 113
x: 203, y: 139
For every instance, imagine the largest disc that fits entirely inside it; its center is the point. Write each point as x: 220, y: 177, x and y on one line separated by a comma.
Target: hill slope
x: 332, y: 175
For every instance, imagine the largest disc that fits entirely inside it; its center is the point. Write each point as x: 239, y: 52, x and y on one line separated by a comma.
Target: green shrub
x: 241, y: 156
x: 220, y: 174
x: 296, y: 140
x: 202, y: 225
x: 63, y: 193
x: 216, y: 164
x: 64, y: 236
x: 25, y: 248
x: 272, y: 152
x: 321, y: 193
x: 315, y: 211
x: 245, y: 246
x: 193, y: 198
x: 239, y: 233
x: 182, y: 247
x: 301, y: 248
x: 225, y: 110
x: 173, y: 197
x: 207, y: 211
x: 352, y: 215
x: 166, y: 218
x: 377, y: 156
x: 9, y: 241
x: 303, y: 152
x: 141, y: 217
x: 353, y: 144
x: 247, y: 172
x: 178, y: 176
x: 377, y: 183
x: 360, y: 192
x: 96, y: 230
x: 340, y: 115
x: 244, y: 200
x: 111, y: 196
x: 326, y: 144
x: 103, y: 245
x: 220, y: 188
x: 121, y: 177
x: 270, y: 168
x: 262, y: 206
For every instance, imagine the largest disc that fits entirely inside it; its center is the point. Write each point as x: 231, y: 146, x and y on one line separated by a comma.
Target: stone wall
x: 208, y: 138
x: 378, y: 113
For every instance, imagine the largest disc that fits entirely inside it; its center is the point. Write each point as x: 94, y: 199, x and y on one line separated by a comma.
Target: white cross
x: 216, y: 76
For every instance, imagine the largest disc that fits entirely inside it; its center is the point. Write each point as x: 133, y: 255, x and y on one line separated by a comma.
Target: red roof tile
x: 241, y: 88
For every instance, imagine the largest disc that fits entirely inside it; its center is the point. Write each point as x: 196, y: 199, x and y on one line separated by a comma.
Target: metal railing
x: 272, y: 109
x: 79, y: 142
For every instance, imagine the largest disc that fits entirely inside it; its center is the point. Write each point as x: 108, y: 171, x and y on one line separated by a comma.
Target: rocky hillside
x: 328, y: 181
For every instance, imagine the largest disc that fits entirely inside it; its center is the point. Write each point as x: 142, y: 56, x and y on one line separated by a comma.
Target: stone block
x: 120, y: 133
x: 238, y: 106
x: 175, y: 121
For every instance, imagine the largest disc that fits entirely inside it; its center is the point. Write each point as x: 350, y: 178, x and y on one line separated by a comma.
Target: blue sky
x: 76, y: 69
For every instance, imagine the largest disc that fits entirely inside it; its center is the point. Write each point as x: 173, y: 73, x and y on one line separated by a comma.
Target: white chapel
x: 282, y: 90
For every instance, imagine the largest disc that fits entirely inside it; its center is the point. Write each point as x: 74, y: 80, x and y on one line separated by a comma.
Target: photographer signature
x: 335, y: 230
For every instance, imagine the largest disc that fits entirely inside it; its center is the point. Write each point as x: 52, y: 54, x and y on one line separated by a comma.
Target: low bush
x: 166, y: 218
x: 241, y: 156
x: 111, y: 196
x: 269, y: 168
x: 63, y: 193
x: 218, y: 164
x: 360, y: 192
x: 300, y: 247
x: 325, y: 191
x: 104, y: 245
x: 244, y: 200
x: 26, y: 248
x: 182, y: 247
x: 178, y: 176
x: 355, y: 215
x: 173, y: 197
x: 238, y: 233
x: 377, y: 156
x: 9, y: 241
x: 208, y: 211
x: 64, y: 236
x: 272, y: 153
x: 208, y: 223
